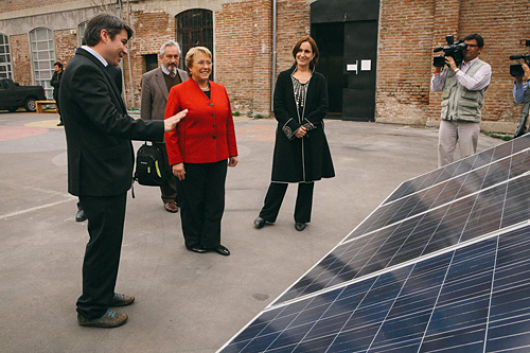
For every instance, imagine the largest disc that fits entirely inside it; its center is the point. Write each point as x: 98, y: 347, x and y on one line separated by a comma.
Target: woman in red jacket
x: 198, y: 150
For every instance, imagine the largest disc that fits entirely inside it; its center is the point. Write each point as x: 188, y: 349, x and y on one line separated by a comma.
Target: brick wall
x: 409, y: 30
x: 21, y: 59
x: 151, y: 30
x: 243, y: 54
x: 65, y: 41
x: 501, y: 23
x: 293, y: 22
x: 404, y: 61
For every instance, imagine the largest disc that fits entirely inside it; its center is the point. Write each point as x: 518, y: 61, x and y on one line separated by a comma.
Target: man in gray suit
x: 155, y: 89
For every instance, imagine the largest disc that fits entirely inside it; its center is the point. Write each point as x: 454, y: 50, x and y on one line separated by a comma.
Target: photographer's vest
x: 459, y: 103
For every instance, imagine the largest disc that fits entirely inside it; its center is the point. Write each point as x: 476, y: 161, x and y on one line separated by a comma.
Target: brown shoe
x: 121, y: 300
x: 171, y: 206
x: 108, y: 320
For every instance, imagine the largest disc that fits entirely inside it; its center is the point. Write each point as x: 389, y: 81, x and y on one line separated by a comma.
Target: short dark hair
x: 477, y: 37
x: 58, y: 64
x: 314, y: 46
x: 111, y: 23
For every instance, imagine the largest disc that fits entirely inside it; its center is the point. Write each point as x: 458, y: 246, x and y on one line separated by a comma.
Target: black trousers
x: 168, y: 189
x: 274, y: 199
x: 202, y: 197
x: 102, y: 256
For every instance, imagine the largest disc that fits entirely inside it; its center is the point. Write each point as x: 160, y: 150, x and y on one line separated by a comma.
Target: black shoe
x: 60, y: 124
x: 197, y: 249
x: 299, y: 226
x: 221, y: 250
x: 259, y: 223
x: 80, y: 216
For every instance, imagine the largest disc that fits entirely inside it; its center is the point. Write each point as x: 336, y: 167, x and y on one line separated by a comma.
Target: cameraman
x: 462, y: 99
x: 521, y: 95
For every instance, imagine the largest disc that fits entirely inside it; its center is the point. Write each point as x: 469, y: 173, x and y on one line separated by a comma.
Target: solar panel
x: 442, y: 265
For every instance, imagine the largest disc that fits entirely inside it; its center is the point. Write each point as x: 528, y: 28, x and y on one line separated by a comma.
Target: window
x: 151, y: 62
x: 5, y: 58
x: 81, y: 33
x: 194, y: 28
x: 43, y: 57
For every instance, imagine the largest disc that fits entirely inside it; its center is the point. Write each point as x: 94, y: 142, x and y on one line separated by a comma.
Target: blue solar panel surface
x: 473, y: 299
x: 505, y: 205
x: 442, y: 265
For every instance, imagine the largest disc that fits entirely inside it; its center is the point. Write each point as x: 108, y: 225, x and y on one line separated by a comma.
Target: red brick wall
x: 409, y: 30
x: 21, y: 59
x: 404, y: 61
x: 65, y: 41
x: 292, y: 23
x: 151, y: 30
x: 501, y: 23
x: 243, y: 54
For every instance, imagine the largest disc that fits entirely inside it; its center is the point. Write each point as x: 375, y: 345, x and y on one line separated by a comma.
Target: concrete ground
x: 185, y: 302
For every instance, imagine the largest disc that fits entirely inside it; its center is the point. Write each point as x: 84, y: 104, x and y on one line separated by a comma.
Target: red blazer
x: 206, y: 134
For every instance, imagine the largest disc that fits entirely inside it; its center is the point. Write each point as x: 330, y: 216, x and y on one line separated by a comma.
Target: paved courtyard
x: 185, y: 302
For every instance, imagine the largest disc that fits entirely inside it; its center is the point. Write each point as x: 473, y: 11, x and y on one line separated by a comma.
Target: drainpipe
x: 273, y: 71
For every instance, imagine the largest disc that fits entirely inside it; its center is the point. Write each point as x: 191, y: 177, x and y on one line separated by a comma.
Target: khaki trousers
x: 465, y: 133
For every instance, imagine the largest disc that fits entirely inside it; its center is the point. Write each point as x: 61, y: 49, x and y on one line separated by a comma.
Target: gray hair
x: 169, y: 43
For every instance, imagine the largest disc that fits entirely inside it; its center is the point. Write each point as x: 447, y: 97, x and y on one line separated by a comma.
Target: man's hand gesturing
x: 171, y: 122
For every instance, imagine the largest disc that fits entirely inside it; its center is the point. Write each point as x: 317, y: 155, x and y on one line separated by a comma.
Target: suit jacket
x: 155, y: 93
x: 115, y: 74
x: 98, y: 129
x: 206, y: 134
x: 55, y: 82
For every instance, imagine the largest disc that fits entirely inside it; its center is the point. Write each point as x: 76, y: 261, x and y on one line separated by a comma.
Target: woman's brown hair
x: 314, y: 47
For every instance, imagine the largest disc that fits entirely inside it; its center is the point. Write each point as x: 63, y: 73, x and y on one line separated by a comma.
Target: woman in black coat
x: 301, y: 151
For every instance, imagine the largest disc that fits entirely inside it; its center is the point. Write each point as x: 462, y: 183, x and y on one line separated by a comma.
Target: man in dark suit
x: 56, y: 84
x: 155, y: 89
x: 100, y: 161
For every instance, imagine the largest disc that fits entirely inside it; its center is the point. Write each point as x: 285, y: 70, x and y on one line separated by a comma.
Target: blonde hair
x: 191, y: 54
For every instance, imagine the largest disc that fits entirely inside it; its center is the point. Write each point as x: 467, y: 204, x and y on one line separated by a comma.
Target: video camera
x: 517, y: 69
x: 452, y: 49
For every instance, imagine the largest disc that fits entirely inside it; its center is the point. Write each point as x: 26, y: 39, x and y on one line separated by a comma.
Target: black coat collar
x: 111, y: 84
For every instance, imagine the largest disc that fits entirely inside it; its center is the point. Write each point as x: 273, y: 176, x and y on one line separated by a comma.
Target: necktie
x: 172, y: 74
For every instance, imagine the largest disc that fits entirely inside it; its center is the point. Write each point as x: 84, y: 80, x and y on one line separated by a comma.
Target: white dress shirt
x: 479, y: 81
x: 96, y: 54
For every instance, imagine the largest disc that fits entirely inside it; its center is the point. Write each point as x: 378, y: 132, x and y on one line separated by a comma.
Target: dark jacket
x: 55, y: 82
x: 98, y: 129
x: 308, y: 158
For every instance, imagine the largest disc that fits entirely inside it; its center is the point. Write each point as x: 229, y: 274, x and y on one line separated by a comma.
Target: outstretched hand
x: 171, y: 122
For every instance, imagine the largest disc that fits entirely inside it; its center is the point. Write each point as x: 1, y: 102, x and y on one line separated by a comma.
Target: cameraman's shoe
x: 109, y: 320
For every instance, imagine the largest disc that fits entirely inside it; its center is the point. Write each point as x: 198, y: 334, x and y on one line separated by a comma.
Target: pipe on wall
x: 273, y: 71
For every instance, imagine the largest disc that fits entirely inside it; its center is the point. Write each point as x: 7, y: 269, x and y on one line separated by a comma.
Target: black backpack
x: 150, y: 166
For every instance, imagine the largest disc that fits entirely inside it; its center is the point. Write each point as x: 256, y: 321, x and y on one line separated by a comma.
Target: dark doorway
x: 194, y: 28
x: 360, y: 51
x: 346, y: 33
x: 330, y: 40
